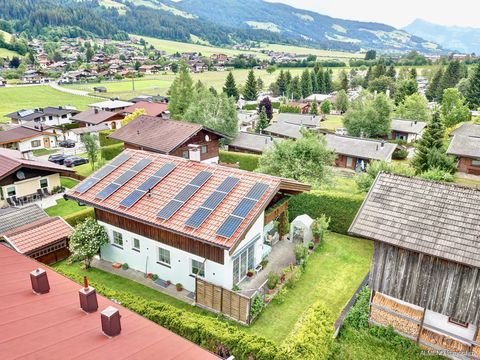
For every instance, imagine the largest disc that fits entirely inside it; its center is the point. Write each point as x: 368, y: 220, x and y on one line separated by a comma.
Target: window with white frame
x: 243, y: 262
x: 198, y: 268
x: 136, y: 244
x: 11, y: 191
x: 476, y: 162
x: 36, y: 143
x: 117, y: 239
x: 43, y: 183
x: 163, y: 256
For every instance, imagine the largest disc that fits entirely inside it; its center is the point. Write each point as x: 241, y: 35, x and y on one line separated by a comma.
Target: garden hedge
x: 104, y: 141
x: 340, y: 207
x: 250, y: 106
x: 109, y: 152
x: 78, y: 217
x: 246, y: 161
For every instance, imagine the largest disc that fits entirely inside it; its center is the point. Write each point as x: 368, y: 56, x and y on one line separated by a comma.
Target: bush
x: 246, y: 161
x: 125, y: 266
x: 437, y: 175
x: 109, y: 152
x: 256, y: 307
x: 357, y: 316
x: 276, y: 105
x: 79, y: 217
x: 104, y: 141
x: 301, y: 252
x: 250, y: 107
x: 292, y: 109
x: 273, y: 280
x: 341, y: 208
x: 400, y: 154
x: 311, y: 338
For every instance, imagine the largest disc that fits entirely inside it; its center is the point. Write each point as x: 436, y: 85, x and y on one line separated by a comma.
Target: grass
x: 5, y: 53
x: 42, y: 152
x: 332, y: 122
x: 468, y: 181
x: 86, y: 169
x: 64, y: 208
x: 334, y: 271
x: 324, y: 54
x: 67, y: 182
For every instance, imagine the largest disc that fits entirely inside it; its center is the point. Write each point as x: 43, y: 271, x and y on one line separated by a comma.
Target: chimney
x: 95, y: 110
x: 88, y: 297
x: 194, y: 152
x: 111, y: 321
x: 39, y: 280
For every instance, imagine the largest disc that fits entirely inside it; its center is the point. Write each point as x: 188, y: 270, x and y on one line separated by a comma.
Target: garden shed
x: 300, y: 229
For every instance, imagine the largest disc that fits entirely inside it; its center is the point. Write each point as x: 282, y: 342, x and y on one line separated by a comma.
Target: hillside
x: 462, y: 39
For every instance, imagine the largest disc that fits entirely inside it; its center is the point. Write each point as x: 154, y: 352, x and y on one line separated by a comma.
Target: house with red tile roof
x: 151, y: 108
x: 52, y: 325
x: 95, y: 116
x: 182, y: 219
x: 26, y: 139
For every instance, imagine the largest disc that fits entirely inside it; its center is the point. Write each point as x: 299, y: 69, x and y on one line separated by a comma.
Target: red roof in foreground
x: 151, y: 108
x: 52, y: 325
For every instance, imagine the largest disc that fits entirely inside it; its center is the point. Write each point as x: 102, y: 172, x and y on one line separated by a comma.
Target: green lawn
x: 64, y: 208
x: 468, y: 182
x: 322, y: 54
x: 5, y: 53
x: 67, y: 182
x: 334, y: 271
x: 332, y: 122
x: 42, y: 152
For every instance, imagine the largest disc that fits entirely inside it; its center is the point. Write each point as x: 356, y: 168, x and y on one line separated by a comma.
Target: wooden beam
x: 420, y: 329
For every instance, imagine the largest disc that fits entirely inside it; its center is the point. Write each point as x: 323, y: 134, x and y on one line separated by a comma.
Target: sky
x: 398, y: 13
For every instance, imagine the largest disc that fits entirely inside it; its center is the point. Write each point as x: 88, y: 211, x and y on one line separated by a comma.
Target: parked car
x: 58, y: 158
x: 67, y: 143
x: 74, y: 161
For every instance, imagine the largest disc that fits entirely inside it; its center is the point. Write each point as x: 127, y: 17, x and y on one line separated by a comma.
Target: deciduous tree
x: 473, y: 89
x: 454, y: 110
x: 326, y: 107
x: 180, y: 93
x: 86, y: 241
x: 266, y: 105
x: 90, y: 142
x: 414, y: 107
x: 341, y: 101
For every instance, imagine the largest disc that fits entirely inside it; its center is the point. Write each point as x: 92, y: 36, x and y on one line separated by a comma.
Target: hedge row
x: 214, y: 335
x: 312, y: 337
x: 246, y: 161
x: 104, y: 141
x: 109, y: 152
x: 340, y: 207
x: 79, y: 217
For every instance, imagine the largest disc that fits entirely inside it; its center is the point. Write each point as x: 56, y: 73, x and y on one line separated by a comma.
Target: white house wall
x: 26, y: 145
x: 441, y: 322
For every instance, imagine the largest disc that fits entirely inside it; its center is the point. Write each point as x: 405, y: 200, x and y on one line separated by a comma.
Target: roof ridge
x: 449, y: 184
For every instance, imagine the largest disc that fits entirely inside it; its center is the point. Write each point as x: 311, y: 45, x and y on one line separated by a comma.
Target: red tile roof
x: 95, y: 116
x: 19, y: 133
x: 147, y: 208
x: 151, y: 108
x: 52, y: 325
x: 37, y: 234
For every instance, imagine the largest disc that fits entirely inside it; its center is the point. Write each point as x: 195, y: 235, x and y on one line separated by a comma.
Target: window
x: 204, y: 149
x: 11, y: 191
x: 36, y: 143
x: 243, y: 262
x: 198, y: 268
x: 1, y: 194
x: 117, y: 239
x: 458, y: 322
x: 136, y: 244
x: 164, y: 257
x: 43, y: 183
x: 476, y: 162
x: 50, y: 117
x: 185, y: 154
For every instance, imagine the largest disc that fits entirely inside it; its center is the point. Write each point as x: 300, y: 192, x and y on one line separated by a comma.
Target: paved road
x: 55, y: 86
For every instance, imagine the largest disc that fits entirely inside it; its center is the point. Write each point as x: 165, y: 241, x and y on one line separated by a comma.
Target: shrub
x: 256, y: 307
x: 125, y: 266
x: 250, y: 107
x: 104, y: 141
x: 301, y: 252
x: 79, y: 217
x: 400, y: 154
x: 341, y: 208
x: 289, y: 109
x: 276, y: 105
x: 437, y: 174
x: 179, y: 286
x: 109, y: 152
x: 357, y: 316
x: 272, y: 281
x: 319, y: 227
x: 311, y: 338
x: 246, y: 161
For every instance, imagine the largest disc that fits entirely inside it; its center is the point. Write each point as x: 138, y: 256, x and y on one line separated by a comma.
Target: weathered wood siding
x: 442, y: 286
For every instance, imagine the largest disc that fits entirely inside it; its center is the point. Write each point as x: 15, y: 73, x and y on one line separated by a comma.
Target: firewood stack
x: 395, y: 306
x: 443, y: 341
x: 400, y: 324
x: 476, y: 349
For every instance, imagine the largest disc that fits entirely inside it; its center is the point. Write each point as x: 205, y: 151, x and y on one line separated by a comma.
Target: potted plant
x: 154, y: 277
x: 179, y: 286
x: 300, y: 253
x: 272, y: 282
x: 125, y: 266
x: 319, y: 227
x: 311, y: 245
x: 149, y: 275
x: 250, y: 273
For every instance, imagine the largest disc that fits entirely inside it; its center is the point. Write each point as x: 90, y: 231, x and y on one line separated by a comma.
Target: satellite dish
x: 207, y: 138
x: 20, y: 175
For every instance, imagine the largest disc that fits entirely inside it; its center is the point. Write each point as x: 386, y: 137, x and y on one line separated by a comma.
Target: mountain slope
x: 463, y: 39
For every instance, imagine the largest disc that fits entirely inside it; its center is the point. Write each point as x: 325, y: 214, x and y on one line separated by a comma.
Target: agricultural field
x: 322, y: 54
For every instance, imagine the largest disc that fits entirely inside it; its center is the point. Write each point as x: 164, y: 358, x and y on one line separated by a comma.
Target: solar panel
x: 201, y: 178
x: 186, y: 193
x: 87, y: 184
x: 165, y: 170
x: 228, y: 184
x: 107, y: 191
x: 198, y: 217
x: 125, y: 177
x: 170, y: 209
x: 131, y: 199
x: 142, y: 164
x: 214, y: 200
x: 244, y: 207
x: 257, y: 191
x: 120, y: 159
x: 229, y: 226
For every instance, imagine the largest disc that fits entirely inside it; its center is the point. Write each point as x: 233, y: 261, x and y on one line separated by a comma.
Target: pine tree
x: 313, y: 78
x: 435, y: 86
x: 306, y: 84
x: 282, y: 83
x: 250, y: 90
x: 391, y: 72
x: 368, y: 77
x: 295, y: 89
x: 320, y: 81
x: 230, y: 87
x: 452, y: 76
x: 473, y: 89
x: 288, y: 78
x: 344, y: 81
x: 262, y: 122
x: 328, y: 82
x: 314, y: 108
x: 413, y: 74
x: 379, y: 70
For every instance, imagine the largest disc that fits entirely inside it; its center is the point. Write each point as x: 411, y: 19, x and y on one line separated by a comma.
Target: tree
x: 250, y: 90
x: 313, y: 78
x: 266, y: 105
x: 430, y: 153
x: 473, y: 89
x: 370, y: 55
x: 259, y: 84
x: 130, y: 117
x: 452, y: 76
x: 90, y: 142
x: 343, y: 81
x: 405, y: 88
x: 320, y: 81
x: 368, y: 77
x: 413, y: 74
x: 314, y: 108
x: 14, y: 62
x: 414, y: 107
x: 306, y: 84
x: 382, y: 84
x: 230, y: 87
x: 295, y: 89
x: 327, y: 81
x: 180, y: 93
x: 365, y: 180
x: 306, y: 159
x: 89, y: 54
x: 454, y: 110
x: 379, y: 70
x: 341, y: 101
x: 86, y: 241
x: 262, y: 122
x: 325, y: 107
x: 282, y: 83
x: 391, y: 72
x: 369, y: 116
x: 435, y: 86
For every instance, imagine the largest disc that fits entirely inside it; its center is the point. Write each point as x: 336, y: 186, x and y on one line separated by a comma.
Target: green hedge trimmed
x: 340, y: 207
x: 109, y: 152
x: 250, y: 107
x: 246, y: 161
x: 79, y: 217
x: 104, y: 141
x: 312, y: 337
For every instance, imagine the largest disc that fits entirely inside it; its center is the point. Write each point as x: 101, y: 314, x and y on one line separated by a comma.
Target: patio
x: 44, y: 200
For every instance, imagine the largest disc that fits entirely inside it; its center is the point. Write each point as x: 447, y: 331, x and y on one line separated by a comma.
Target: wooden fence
x: 217, y: 299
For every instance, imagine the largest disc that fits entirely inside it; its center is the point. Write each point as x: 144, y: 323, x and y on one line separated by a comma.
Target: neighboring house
x: 111, y: 105
x: 284, y: 130
x: 26, y: 139
x: 356, y: 153
x: 304, y: 107
x: 407, y: 130
x: 308, y: 121
x: 31, y: 232
x: 424, y: 274
x: 467, y: 151
x: 319, y: 98
x: 181, y: 219
x: 50, y: 116
x: 23, y: 181
x: 94, y: 116
x: 252, y: 143
x: 150, y: 98
x: 247, y: 120
x: 76, y: 134
x: 471, y: 130
x: 170, y: 137
x: 45, y: 326
x: 151, y: 109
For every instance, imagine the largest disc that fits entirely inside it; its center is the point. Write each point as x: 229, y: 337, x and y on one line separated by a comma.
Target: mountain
x: 462, y: 39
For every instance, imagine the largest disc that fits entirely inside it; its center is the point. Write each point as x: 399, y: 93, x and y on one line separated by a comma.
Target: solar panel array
x: 148, y: 184
x: 123, y: 179
x: 182, y: 197
x: 103, y: 172
x: 231, y: 224
x: 211, y: 203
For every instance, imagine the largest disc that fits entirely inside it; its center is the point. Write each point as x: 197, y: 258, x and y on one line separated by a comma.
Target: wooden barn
x: 425, y: 276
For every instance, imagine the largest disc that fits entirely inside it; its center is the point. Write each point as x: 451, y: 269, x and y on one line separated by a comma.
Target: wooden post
x: 421, y: 325
x: 372, y: 294
x: 470, y: 349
